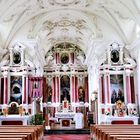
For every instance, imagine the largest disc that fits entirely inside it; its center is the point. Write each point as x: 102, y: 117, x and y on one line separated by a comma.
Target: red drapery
x: 35, y: 86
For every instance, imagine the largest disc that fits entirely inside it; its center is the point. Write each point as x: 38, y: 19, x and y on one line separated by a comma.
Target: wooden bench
x: 31, y: 132
x: 28, y: 135
x: 38, y: 128
x: 115, y: 132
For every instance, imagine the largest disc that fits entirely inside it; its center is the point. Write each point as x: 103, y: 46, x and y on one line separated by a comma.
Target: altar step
x: 67, y: 131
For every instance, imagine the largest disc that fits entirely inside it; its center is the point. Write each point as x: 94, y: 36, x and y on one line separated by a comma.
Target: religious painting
x: 81, y: 94
x: 16, y: 89
x: 116, y: 85
x: 64, y: 58
x: 49, y: 93
x: 65, y: 88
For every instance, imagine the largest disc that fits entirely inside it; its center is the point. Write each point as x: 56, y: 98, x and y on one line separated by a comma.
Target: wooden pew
x: 114, y: 132
x: 36, y: 132
x: 10, y: 138
x: 119, y: 136
x: 39, y: 129
x: 19, y: 130
x: 24, y: 137
x: 28, y: 135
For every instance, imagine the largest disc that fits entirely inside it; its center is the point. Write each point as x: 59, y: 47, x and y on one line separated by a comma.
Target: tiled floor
x: 67, y: 137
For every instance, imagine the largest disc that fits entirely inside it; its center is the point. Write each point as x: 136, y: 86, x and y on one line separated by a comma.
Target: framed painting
x: 117, y: 90
x: 16, y: 89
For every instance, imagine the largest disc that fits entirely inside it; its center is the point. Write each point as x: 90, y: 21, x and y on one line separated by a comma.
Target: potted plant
x: 37, y: 119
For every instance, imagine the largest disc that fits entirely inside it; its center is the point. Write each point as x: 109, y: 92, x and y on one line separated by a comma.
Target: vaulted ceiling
x: 40, y: 24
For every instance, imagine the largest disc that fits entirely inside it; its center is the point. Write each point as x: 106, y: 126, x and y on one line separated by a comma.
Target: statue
x: 49, y: 93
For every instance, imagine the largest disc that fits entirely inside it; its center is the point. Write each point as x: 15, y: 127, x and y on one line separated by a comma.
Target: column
x: 138, y: 81
x: 56, y: 88
x: 5, y: 97
x: 73, y: 88
x: 23, y: 89
x: 59, y: 90
x: 86, y: 89
x: 101, y: 83
x: 44, y: 90
x: 107, y: 85
x: 132, y: 89
x: 53, y: 89
x: 0, y: 92
x: 128, y: 86
x: 76, y: 89
x: 26, y: 93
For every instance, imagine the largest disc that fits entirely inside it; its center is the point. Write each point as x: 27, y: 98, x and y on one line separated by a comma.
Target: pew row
x: 115, y: 132
x: 24, y: 132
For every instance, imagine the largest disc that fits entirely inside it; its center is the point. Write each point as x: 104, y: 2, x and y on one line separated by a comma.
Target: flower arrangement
x: 134, y: 112
x: 107, y: 112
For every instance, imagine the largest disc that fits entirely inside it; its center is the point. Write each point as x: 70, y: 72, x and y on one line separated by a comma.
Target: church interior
x: 70, y: 66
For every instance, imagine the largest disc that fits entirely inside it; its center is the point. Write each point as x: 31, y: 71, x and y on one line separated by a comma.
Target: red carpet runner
x: 67, y: 137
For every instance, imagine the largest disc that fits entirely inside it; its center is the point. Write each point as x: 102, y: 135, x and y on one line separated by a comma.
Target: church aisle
x: 67, y: 137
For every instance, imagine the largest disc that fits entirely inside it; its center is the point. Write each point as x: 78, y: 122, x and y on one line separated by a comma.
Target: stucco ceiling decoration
x: 45, y: 3
x: 67, y: 28
x: 82, y: 22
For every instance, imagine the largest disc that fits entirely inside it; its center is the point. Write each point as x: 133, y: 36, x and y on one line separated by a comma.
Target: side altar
x: 121, y: 114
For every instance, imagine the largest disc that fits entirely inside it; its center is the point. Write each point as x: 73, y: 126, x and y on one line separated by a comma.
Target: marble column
x: 5, y: 97
x: 53, y: 90
x: 86, y: 89
x: 57, y: 87
x: 76, y: 89
x: 73, y: 88
x: 101, y: 90
x: 23, y: 89
x: 138, y: 81
x: 128, y: 86
x: 107, y: 87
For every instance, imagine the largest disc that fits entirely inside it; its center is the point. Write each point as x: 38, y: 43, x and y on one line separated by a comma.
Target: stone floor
x: 67, y: 137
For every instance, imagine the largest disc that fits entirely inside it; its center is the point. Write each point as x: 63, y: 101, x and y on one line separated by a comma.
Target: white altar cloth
x: 64, y: 115
x: 25, y: 119
x: 78, y: 118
